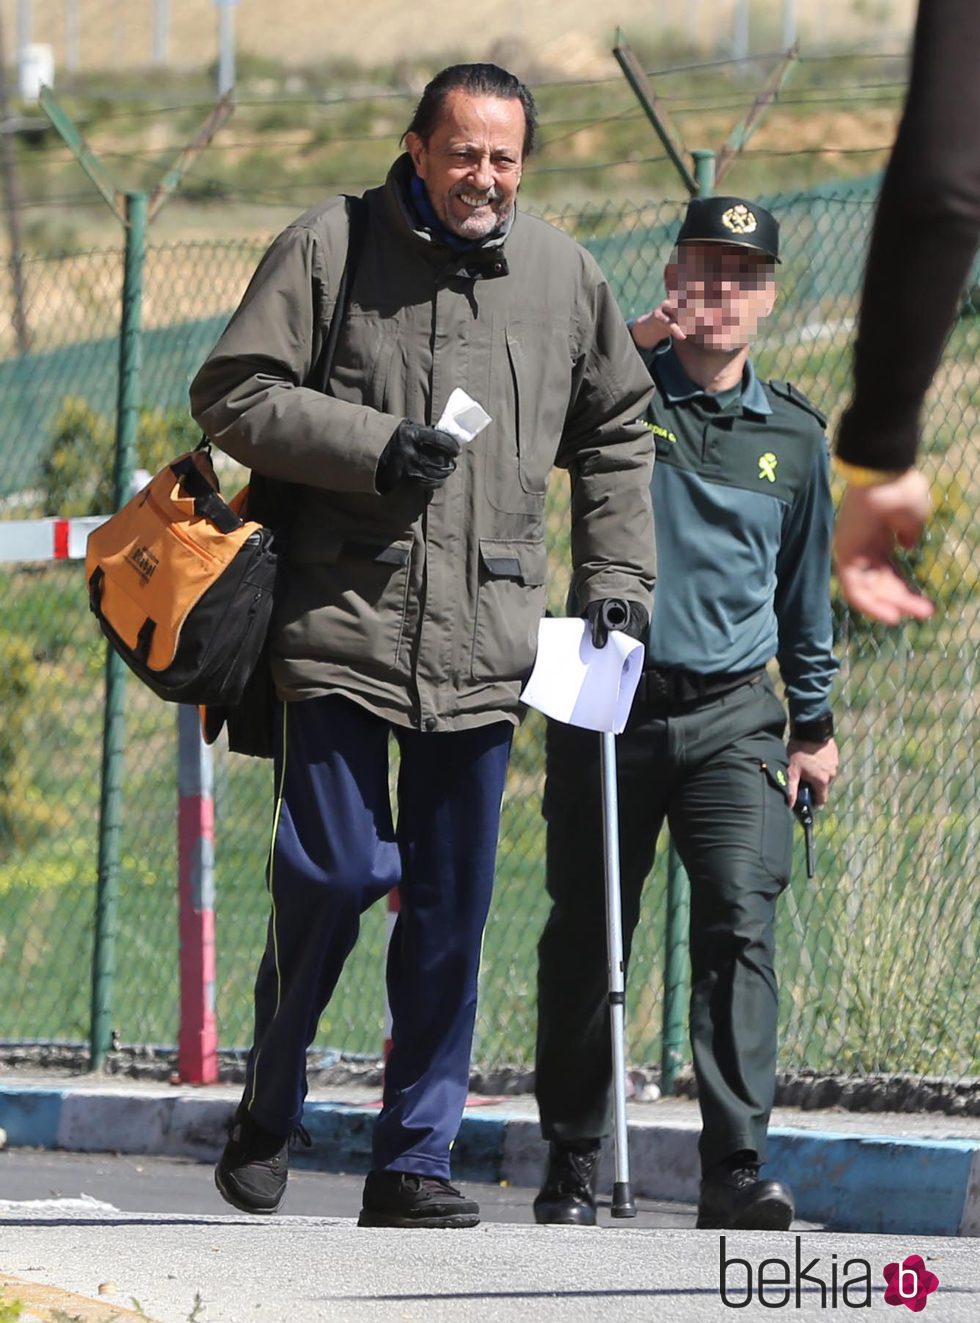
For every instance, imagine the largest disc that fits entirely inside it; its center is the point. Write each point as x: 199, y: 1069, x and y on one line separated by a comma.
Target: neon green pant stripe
x: 272, y: 893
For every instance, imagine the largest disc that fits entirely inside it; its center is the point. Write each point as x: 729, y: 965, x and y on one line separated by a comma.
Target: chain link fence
x: 877, y: 955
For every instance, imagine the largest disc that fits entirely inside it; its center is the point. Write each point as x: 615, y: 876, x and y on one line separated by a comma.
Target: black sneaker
x: 734, y: 1198
x: 401, y: 1199
x: 251, y: 1173
x: 567, y: 1197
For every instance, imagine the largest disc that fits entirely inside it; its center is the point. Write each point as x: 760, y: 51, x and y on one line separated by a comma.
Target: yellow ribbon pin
x: 767, y: 466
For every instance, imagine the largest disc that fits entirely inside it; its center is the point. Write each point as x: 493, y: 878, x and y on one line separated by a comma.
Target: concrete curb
x: 848, y: 1182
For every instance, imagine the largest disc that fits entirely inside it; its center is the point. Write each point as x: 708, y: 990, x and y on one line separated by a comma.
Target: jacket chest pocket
x: 365, y: 369
x: 509, y: 605
x: 539, y: 365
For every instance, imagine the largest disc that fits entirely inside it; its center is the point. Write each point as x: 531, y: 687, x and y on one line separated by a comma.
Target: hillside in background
x: 298, y: 133
x: 540, y: 38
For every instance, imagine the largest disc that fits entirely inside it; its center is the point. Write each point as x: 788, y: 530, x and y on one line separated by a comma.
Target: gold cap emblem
x: 739, y: 220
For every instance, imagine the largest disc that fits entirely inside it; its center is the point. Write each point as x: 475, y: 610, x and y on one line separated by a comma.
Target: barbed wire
x: 60, y: 156
x: 395, y: 94
x: 678, y: 101
x: 220, y: 189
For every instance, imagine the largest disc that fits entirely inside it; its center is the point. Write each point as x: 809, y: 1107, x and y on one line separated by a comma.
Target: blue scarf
x: 430, y: 221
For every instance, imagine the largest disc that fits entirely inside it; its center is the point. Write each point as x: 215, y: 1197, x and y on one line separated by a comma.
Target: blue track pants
x: 335, y: 852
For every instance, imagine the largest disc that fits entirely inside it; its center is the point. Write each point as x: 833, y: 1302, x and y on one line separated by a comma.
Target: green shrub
x: 10, y: 1310
x: 163, y: 434
x: 78, y: 473
x: 19, y: 816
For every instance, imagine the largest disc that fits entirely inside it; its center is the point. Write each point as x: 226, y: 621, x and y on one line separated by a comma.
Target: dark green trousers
x: 715, y: 770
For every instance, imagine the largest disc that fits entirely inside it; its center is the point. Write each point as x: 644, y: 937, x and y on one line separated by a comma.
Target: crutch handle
x: 615, y: 613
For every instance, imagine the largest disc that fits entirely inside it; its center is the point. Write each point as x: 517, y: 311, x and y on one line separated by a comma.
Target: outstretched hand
x: 871, y: 523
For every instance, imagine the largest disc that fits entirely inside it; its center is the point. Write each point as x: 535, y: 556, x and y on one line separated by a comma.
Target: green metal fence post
x: 673, y: 1048
x: 129, y: 346
x: 113, y: 732
x: 704, y: 171
x: 652, y: 108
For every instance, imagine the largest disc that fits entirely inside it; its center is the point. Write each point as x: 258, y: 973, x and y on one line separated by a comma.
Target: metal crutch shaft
x: 622, y: 1195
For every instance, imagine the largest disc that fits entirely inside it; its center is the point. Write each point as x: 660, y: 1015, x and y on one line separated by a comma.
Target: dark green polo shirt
x: 743, y: 513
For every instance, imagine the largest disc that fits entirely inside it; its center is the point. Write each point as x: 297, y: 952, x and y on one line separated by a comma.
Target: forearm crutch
x: 622, y: 1195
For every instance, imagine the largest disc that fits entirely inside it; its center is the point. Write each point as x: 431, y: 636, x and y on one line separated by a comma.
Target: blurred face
x: 471, y: 164
x: 721, y: 293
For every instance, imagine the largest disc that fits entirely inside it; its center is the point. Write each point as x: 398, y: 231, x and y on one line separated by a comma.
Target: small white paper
x: 574, y: 682
x: 462, y: 417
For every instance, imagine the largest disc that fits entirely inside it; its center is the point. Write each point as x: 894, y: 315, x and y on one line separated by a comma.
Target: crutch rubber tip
x: 622, y: 1204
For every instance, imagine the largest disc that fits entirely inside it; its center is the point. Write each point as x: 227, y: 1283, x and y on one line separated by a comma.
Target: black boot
x: 734, y: 1198
x: 251, y: 1172
x: 567, y: 1196
x: 402, y: 1199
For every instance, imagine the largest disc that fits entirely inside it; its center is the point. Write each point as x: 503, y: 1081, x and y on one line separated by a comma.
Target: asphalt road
x: 110, y: 1239
x: 174, y: 1185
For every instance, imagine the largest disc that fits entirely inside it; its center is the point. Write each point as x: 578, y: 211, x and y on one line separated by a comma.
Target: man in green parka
x: 412, y: 590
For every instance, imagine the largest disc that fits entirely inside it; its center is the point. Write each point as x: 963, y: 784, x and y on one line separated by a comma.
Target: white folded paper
x: 462, y: 417
x: 584, y: 686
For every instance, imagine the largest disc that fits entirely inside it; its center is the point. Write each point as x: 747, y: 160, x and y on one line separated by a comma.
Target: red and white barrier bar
x: 46, y: 539
x: 197, y: 1045
x: 391, y: 918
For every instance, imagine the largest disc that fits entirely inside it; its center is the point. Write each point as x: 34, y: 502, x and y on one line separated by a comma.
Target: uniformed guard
x: 743, y: 520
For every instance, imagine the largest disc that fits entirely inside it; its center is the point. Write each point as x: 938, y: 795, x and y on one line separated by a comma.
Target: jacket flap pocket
x: 508, y: 559
x: 328, y: 548
x: 321, y: 549
x: 380, y: 552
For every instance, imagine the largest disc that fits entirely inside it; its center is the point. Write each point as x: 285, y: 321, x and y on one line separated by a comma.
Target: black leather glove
x: 418, y: 454
x: 616, y: 613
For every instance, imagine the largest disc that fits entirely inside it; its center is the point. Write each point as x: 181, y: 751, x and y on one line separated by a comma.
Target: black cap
x: 732, y: 221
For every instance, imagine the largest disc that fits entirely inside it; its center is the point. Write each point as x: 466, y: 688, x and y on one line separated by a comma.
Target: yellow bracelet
x: 857, y: 476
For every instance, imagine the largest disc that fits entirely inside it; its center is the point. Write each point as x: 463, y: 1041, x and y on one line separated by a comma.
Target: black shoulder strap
x: 319, y: 375
x: 207, y: 503
x: 789, y: 392
x: 268, y: 498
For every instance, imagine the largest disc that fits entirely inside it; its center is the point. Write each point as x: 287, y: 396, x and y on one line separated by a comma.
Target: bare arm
x: 925, y: 237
